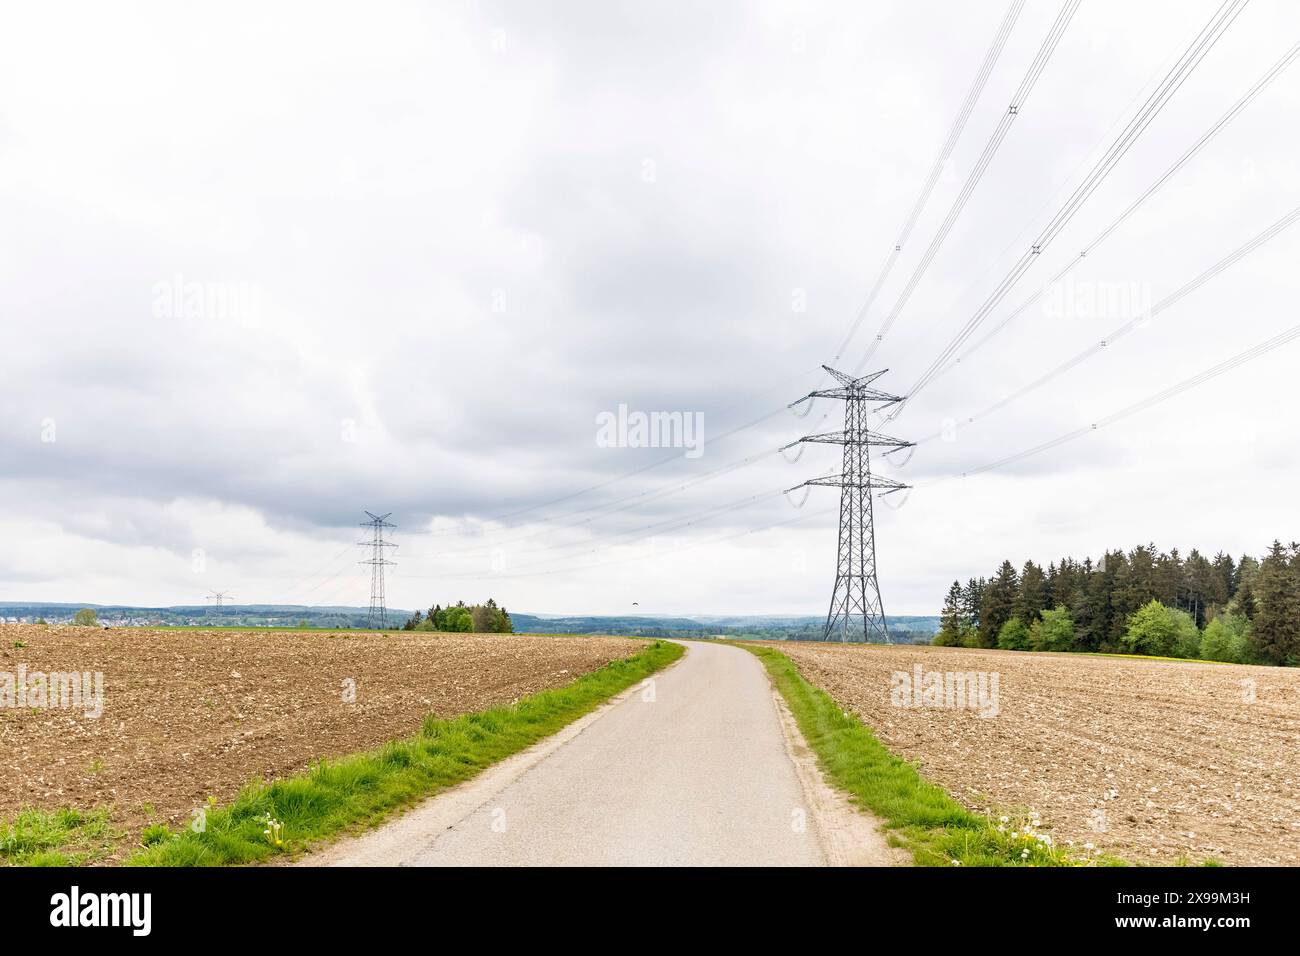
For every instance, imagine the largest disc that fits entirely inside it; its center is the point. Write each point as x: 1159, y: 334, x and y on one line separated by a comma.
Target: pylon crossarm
x: 839, y: 481
x: 840, y: 393
x: 842, y: 438
x: 875, y: 395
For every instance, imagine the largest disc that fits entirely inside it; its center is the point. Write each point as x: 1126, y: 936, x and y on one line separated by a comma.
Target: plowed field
x: 193, y: 714
x: 1150, y: 760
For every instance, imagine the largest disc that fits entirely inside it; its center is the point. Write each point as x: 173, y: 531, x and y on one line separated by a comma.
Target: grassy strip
x: 334, y: 796
x: 64, y: 837
x: 919, y: 815
x: 288, y: 815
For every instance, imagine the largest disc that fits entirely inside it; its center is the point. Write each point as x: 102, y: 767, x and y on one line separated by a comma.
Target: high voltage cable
x: 1150, y: 81
x: 1137, y: 322
x: 1241, y: 358
x: 1186, y: 64
x: 1026, y: 85
x: 1190, y: 62
x: 579, y: 545
x: 1236, y: 361
x: 1119, y: 333
x: 634, y: 500
x: 676, y: 456
x: 954, y: 134
x: 1287, y: 59
x: 954, y: 211
x: 634, y: 558
x: 604, y: 507
x: 681, y: 524
x: 1173, y: 298
x: 314, y: 574
x: 977, y: 173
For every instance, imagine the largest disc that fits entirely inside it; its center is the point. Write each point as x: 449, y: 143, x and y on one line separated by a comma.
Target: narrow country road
x: 694, y: 769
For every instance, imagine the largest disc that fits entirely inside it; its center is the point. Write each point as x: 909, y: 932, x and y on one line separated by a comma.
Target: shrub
x: 1014, y: 636
x: 1054, y: 631
x: 1227, y: 638
x: 1162, y: 632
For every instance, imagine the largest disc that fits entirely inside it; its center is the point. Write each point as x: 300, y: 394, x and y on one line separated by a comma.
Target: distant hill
x: 197, y: 615
x: 903, y: 628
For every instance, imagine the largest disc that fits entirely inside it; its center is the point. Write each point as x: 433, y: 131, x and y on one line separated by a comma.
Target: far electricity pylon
x: 219, y: 596
x: 856, y: 612
x: 378, y: 616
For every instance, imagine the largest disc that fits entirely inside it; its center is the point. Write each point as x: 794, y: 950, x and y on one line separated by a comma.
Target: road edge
x: 392, y: 839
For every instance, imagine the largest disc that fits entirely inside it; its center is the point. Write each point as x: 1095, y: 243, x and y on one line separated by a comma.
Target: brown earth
x: 1149, y: 760
x: 193, y: 714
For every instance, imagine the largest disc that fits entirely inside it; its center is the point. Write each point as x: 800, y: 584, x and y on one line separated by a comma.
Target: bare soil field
x: 1149, y: 760
x: 193, y: 714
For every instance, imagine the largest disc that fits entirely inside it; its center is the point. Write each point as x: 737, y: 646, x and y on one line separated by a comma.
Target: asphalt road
x: 694, y: 769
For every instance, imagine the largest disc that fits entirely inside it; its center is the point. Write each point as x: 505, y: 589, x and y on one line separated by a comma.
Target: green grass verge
x: 918, y: 815
x: 289, y: 815
x: 64, y: 837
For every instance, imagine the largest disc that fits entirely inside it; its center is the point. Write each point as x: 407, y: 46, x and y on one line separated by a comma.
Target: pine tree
x: 1032, y: 598
x: 1098, y: 613
x: 1275, y: 629
x: 1169, y: 578
x: 1200, y: 584
x: 998, y: 604
x: 973, y: 600
x: 1243, y: 597
x: 1134, y: 582
x: 953, y: 621
x: 1118, y: 601
x: 1227, y: 572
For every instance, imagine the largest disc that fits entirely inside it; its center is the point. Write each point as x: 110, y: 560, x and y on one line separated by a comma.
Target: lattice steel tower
x: 855, y: 600
x: 378, y: 616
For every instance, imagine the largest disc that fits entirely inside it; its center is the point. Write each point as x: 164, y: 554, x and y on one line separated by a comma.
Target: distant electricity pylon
x: 219, y: 596
x: 856, y: 596
x: 378, y: 612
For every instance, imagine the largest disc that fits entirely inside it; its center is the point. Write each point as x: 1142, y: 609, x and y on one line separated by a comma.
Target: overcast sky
x: 421, y: 248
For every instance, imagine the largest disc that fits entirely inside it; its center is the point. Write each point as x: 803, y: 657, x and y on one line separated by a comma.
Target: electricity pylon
x: 378, y: 616
x: 856, y: 595
x: 219, y: 596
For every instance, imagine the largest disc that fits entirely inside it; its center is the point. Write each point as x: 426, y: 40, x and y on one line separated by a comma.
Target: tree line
x: 483, y: 618
x: 1140, y: 602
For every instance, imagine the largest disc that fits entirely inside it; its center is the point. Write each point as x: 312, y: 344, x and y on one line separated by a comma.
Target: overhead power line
x: 1091, y: 246
x: 1018, y: 101
x: 945, y: 153
x: 1241, y: 358
x: 1178, y: 74
x: 1137, y: 322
